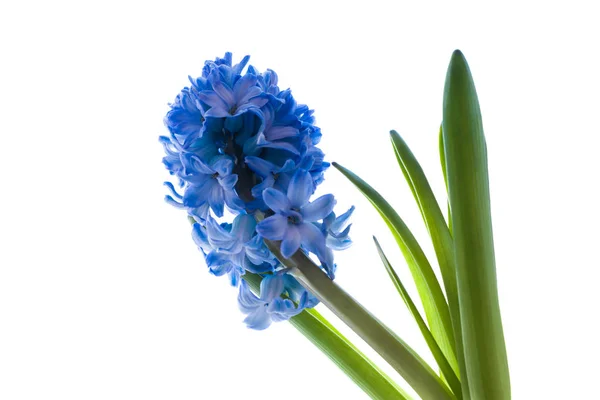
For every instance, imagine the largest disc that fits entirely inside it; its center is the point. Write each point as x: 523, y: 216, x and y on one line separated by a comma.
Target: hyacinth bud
x: 238, y: 143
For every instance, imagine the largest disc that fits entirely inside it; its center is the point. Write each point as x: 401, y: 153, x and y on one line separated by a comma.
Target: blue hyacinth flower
x: 226, y: 101
x: 213, y: 184
x: 235, y: 248
x: 294, y: 215
x: 269, y: 307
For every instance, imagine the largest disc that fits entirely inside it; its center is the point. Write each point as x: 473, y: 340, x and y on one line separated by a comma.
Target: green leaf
x: 440, y: 358
x: 443, y: 162
x: 428, y: 287
x: 439, y: 233
x: 358, y: 367
x: 390, y: 347
x: 468, y: 187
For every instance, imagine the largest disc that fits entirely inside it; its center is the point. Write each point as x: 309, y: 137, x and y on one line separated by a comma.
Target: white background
x: 102, y: 291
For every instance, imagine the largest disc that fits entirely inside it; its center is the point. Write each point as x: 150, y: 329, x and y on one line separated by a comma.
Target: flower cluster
x: 239, y: 143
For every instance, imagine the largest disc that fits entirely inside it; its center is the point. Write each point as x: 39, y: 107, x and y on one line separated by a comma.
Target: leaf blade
x: 428, y: 287
x: 468, y: 187
x: 438, y: 354
x: 438, y: 232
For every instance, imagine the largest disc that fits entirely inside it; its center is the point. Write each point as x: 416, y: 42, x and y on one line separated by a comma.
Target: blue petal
x: 261, y: 167
x: 280, y: 132
x: 276, y: 200
x: 312, y: 238
x: 216, y: 200
x: 300, y: 189
x: 199, y: 235
x: 195, y: 196
x: 247, y: 301
x: 243, y: 227
x: 291, y: 241
x: 273, y: 227
x: 318, y: 209
x: 173, y: 202
x: 228, y: 183
x: 257, y: 191
x: 342, y: 221
x: 217, y: 112
x: 237, y: 69
x: 218, y: 237
x: 271, y: 287
x: 223, y: 91
x: 212, y: 99
x: 259, y: 319
x: 172, y: 190
x: 282, y: 310
x: 223, y: 166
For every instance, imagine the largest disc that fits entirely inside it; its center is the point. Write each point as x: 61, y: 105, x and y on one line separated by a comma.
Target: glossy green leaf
x: 428, y: 287
x: 358, y: 367
x: 468, y: 188
x: 447, y: 370
x: 439, y: 233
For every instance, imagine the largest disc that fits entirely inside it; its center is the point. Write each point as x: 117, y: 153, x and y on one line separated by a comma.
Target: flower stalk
x: 389, y: 346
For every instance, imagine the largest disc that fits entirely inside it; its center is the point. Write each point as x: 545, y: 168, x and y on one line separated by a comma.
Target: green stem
x: 397, y: 353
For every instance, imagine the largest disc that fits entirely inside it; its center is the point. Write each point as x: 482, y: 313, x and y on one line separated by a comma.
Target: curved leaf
x: 428, y: 287
x: 437, y: 352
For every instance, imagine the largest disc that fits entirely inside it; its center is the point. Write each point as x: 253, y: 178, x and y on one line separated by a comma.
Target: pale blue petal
x: 318, y: 209
x: 260, y: 166
x: 311, y: 237
x: 259, y: 319
x: 247, y: 301
x: 257, y: 191
x: 242, y: 88
x: 216, y: 200
x: 273, y: 227
x: 280, y: 132
x: 223, y: 166
x: 217, y: 112
x: 228, y: 183
x: 212, y: 99
x: 221, y: 89
x: 291, y: 241
x: 243, y: 227
x: 343, y: 221
x: 271, y: 287
x: 277, y: 201
x: 200, y: 237
x: 174, y: 202
x: 300, y: 189
x: 174, y: 192
x: 219, y: 238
